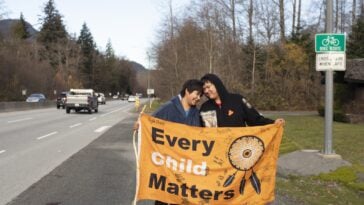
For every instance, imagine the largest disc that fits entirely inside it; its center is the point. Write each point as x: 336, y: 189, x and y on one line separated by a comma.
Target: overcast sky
x: 131, y: 25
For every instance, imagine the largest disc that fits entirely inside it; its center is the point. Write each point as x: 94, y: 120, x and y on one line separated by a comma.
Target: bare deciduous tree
x: 2, y: 9
x: 336, y: 15
x: 353, y: 14
x: 267, y: 19
x: 293, y: 17
x: 282, y: 21
x: 250, y: 20
x: 298, y: 27
x: 230, y: 8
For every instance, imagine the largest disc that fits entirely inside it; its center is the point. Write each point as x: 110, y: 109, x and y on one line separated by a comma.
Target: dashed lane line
x: 92, y: 119
x: 101, y: 129
x: 75, y: 125
x: 20, y: 120
x: 2, y: 151
x: 103, y: 115
x: 47, y: 135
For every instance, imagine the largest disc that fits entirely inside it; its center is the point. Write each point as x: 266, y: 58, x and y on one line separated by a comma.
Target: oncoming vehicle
x: 36, y: 97
x: 61, y: 100
x: 125, y: 97
x: 131, y: 98
x: 101, y: 98
x: 81, y: 99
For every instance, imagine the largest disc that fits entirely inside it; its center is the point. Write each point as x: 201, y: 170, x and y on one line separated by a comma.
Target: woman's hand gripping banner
x: 181, y: 164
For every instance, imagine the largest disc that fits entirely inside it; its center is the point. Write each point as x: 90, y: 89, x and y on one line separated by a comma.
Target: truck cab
x: 81, y: 99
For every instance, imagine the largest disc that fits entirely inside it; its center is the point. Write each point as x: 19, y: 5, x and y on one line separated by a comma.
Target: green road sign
x: 330, y: 42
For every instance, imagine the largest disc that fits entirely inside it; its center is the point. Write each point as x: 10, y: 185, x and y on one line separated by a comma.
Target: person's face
x: 210, y: 91
x: 192, y: 97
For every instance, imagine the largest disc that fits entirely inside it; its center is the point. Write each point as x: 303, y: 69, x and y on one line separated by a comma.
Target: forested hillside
x: 263, y: 49
x: 54, y: 60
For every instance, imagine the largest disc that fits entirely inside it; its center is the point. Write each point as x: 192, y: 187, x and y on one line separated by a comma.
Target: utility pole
x: 148, y: 70
x: 329, y: 85
x: 150, y: 103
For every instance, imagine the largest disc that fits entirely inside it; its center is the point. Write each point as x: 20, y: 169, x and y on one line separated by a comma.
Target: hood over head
x: 214, y: 79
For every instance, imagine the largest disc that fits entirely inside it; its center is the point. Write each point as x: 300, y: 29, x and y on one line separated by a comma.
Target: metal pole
x: 150, y: 104
x: 148, y: 71
x: 329, y: 85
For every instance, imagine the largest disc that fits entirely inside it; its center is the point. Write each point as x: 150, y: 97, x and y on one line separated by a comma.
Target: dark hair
x: 214, y: 79
x: 192, y: 85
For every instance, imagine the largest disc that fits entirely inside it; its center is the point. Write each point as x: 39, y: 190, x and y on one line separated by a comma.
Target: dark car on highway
x: 61, y: 100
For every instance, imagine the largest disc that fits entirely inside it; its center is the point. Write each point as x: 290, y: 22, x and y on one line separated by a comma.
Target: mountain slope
x: 6, y: 26
x: 137, y: 66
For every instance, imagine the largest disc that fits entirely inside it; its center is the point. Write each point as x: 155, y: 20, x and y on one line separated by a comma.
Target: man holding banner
x: 224, y: 109
x: 182, y: 108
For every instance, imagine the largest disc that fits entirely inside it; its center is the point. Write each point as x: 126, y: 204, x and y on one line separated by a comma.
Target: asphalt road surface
x: 50, y: 157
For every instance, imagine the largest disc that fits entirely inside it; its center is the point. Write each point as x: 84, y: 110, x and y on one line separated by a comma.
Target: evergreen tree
x: 52, y: 35
x: 52, y: 30
x: 88, y: 47
x: 355, y: 48
x: 20, y: 29
x: 116, y: 73
x: 111, y: 73
x: 109, y: 54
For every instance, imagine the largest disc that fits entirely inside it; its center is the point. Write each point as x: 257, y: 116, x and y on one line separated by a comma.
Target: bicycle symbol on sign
x: 330, y: 41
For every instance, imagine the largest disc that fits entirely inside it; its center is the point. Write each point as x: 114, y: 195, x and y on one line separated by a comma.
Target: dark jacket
x: 235, y: 111
x: 173, y: 111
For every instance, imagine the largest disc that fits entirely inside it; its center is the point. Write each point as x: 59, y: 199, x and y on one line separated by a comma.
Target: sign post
x: 330, y: 57
x: 150, y: 91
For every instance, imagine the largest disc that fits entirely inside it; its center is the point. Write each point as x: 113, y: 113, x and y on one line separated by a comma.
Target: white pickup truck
x: 81, y: 99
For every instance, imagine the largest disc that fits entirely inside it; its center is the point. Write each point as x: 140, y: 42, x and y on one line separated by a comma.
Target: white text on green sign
x: 330, y: 43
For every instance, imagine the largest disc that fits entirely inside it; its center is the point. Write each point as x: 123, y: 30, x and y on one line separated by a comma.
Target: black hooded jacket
x: 235, y: 111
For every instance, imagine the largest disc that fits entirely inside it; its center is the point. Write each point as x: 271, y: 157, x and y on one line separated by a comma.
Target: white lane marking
x: 101, y: 129
x: 75, y: 125
x: 19, y: 120
x: 2, y: 151
x: 112, y: 112
x: 94, y: 118
x: 47, y: 135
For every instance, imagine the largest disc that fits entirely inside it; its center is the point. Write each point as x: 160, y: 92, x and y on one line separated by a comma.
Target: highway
x: 35, y: 142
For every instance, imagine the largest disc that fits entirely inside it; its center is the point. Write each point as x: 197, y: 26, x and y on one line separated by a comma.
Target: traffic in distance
x: 77, y: 100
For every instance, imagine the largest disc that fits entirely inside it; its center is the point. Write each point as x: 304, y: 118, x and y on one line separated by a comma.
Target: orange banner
x: 180, y: 164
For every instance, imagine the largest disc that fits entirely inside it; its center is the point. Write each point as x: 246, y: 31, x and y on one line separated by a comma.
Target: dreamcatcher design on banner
x: 244, y: 153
